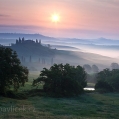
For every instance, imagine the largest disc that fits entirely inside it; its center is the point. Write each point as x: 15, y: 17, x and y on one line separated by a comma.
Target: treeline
x: 91, y: 69
x: 12, y: 73
x: 94, y: 69
x: 108, y: 81
x: 60, y: 80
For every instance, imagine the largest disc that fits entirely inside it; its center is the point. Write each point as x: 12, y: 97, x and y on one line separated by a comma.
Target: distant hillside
x: 63, y: 47
x: 73, y: 51
x: 32, y: 48
x: 98, y: 41
x: 81, y: 58
x: 37, y: 57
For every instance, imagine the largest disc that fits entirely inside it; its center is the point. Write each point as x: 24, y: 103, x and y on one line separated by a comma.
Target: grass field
x: 87, y: 106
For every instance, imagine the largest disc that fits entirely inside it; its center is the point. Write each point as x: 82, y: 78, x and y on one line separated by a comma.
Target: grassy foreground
x: 86, y: 106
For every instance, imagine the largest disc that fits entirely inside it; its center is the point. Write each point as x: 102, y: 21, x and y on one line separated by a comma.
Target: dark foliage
x: 63, y: 80
x: 11, y: 72
x: 108, y: 80
x: 104, y: 86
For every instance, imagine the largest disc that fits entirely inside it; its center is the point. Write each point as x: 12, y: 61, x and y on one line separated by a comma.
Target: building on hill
x: 28, y: 42
x: 23, y: 41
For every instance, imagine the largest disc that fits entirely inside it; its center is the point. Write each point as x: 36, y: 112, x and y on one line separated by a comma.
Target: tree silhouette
x: 114, y: 66
x: 95, y: 69
x: 23, y: 39
x: 20, y: 41
x: 63, y: 80
x: 11, y: 71
x: 108, y: 80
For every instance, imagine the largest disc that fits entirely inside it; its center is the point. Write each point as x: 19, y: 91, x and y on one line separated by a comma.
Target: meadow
x: 90, y: 105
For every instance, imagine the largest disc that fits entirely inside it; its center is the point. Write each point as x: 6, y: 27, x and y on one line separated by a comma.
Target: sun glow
x: 55, y: 18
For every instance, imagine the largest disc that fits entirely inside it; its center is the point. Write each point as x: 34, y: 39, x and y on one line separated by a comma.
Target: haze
x: 78, y: 18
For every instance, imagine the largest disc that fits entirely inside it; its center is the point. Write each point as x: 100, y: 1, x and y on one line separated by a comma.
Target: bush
x: 63, y: 80
x: 108, y: 80
x: 103, y: 85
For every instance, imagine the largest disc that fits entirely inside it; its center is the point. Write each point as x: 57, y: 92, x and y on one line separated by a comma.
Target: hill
x: 34, y: 54
x: 32, y: 48
x: 69, y: 50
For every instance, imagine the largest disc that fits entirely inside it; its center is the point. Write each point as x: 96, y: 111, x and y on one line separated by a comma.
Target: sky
x: 86, y: 19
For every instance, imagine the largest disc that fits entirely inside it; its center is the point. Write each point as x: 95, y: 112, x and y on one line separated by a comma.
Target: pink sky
x: 78, y: 18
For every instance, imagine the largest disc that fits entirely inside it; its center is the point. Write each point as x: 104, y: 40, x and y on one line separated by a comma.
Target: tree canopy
x: 63, y: 80
x: 108, y: 80
x: 12, y: 73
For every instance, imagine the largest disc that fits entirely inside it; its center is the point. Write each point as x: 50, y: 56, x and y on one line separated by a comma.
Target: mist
x: 101, y: 52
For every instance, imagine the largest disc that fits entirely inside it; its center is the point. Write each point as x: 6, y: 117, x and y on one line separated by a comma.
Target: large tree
x: 12, y: 73
x: 63, y: 79
x: 108, y: 80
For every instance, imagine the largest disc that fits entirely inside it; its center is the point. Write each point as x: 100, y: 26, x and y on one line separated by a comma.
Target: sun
x: 55, y: 18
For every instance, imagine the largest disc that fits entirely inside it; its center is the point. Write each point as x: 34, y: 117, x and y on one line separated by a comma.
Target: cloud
x: 62, y: 32
x: 47, y: 31
x: 4, y: 15
x: 21, y: 26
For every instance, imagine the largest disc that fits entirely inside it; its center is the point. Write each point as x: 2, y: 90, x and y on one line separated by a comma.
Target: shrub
x: 108, y: 80
x: 63, y: 80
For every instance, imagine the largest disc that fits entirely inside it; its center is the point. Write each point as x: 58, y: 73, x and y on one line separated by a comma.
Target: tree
x: 17, y: 41
x: 63, y: 80
x: 11, y: 71
x: 95, y: 69
x: 20, y: 41
x: 36, y: 41
x: 87, y: 68
x: 23, y: 40
x: 108, y: 80
x: 114, y: 66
